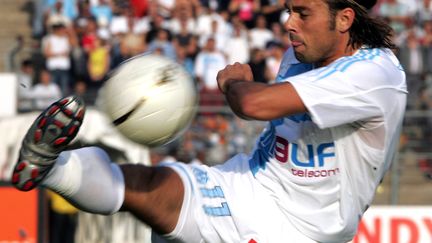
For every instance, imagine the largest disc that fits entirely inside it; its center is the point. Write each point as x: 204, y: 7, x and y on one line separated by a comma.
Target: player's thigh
x: 154, y: 195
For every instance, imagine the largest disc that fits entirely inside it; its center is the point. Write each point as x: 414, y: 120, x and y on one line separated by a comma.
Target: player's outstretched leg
x: 49, y: 135
x: 87, y: 178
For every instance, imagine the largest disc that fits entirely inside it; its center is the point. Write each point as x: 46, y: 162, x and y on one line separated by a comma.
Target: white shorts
x: 226, y: 204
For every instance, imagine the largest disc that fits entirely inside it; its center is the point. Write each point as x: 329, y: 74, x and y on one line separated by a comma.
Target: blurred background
x: 53, y: 48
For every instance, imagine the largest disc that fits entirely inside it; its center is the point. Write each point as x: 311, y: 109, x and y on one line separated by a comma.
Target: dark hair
x: 368, y: 4
x: 26, y: 63
x: 57, y: 26
x: 365, y: 30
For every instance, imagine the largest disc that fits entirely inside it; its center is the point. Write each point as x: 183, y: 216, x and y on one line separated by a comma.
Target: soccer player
x: 334, y: 115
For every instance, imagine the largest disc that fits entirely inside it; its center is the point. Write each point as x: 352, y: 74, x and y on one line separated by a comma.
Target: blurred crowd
x: 82, y: 40
x: 78, y: 42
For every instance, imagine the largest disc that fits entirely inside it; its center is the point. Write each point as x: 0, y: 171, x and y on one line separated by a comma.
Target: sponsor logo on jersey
x: 308, y: 160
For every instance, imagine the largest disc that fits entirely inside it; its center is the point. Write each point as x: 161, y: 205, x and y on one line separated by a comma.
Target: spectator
x: 205, y: 25
x: 258, y: 65
x: 272, y: 10
x: 98, y: 63
x: 183, y: 37
x: 410, y: 26
x: 131, y: 45
x: 426, y: 42
x: 245, y: 10
x: 396, y: 12
x: 260, y: 34
x: 274, y: 58
x: 139, y: 7
x: 424, y: 12
x: 84, y: 15
x: 207, y: 64
x: 157, y: 23
x: 46, y: 92
x: 426, y: 39
x: 217, y: 128
x: 57, y: 50
x: 90, y: 35
x: 217, y: 5
x: 78, y: 57
x: 219, y: 37
x: 236, y: 47
x: 425, y: 104
x: 56, y: 15
x: 25, y: 83
x: 164, y: 7
x: 163, y: 42
x: 412, y: 59
x: 80, y: 89
x: 192, y: 48
x: 103, y: 12
x: 187, y: 62
x: 410, y: 55
x: 278, y: 32
x: 191, y: 6
x: 182, y: 19
x: 37, y: 58
x: 119, y: 22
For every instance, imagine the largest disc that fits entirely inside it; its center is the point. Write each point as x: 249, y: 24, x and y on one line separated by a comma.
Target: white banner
x: 395, y: 224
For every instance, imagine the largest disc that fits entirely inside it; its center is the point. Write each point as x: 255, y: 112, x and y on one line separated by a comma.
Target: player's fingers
x: 221, y: 78
x: 248, y: 73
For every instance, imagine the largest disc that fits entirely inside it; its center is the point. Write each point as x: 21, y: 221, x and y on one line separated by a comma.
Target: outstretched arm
x: 252, y: 100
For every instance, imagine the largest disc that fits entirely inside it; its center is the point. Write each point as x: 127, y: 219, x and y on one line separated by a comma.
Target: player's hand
x: 233, y: 73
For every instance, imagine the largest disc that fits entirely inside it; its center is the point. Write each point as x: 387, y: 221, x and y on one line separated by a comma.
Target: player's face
x: 313, y: 36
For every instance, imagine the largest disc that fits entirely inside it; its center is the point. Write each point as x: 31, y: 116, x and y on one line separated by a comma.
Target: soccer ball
x: 150, y: 99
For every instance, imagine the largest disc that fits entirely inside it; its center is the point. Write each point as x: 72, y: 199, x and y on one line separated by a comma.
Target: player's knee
x: 149, y: 180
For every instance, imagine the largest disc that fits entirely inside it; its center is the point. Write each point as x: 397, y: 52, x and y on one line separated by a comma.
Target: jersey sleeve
x: 335, y: 97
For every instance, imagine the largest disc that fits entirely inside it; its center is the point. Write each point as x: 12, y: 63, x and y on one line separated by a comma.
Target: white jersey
x: 324, y: 166
x: 311, y: 176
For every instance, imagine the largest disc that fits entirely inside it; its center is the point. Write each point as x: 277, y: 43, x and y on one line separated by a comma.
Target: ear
x: 345, y: 19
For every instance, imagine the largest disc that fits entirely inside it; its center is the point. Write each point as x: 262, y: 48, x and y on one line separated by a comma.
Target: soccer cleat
x: 49, y: 135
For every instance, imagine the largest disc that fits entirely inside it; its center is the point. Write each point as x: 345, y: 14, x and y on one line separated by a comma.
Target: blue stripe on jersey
x: 344, y: 63
x: 265, y: 147
x: 369, y: 56
x: 221, y: 211
x: 215, y: 192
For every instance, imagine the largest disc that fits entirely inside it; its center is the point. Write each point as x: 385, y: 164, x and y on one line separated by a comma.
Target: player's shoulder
x: 368, y: 68
x: 365, y: 57
x: 373, y: 67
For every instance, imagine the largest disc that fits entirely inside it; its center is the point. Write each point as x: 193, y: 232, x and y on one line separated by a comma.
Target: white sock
x: 87, y: 178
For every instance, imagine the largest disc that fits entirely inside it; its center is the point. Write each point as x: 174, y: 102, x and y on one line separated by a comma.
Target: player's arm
x: 252, y: 100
